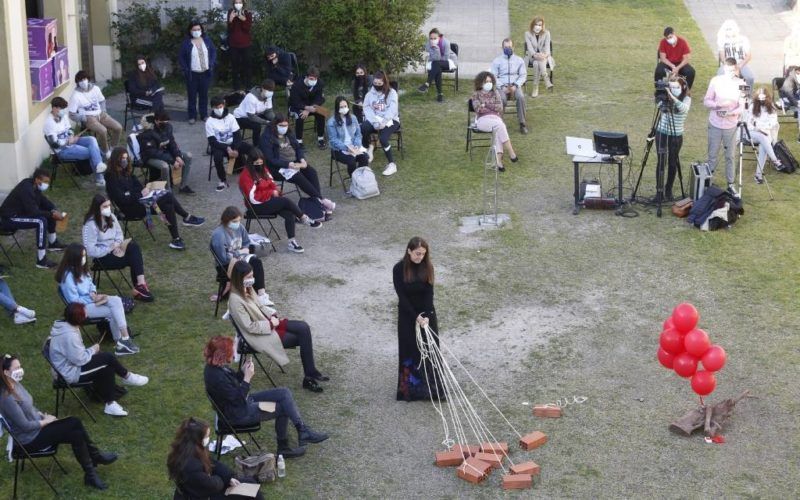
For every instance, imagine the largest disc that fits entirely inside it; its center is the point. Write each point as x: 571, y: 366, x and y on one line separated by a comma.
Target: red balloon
x: 714, y: 358
x: 704, y: 382
x: 668, y: 324
x: 665, y: 358
x: 685, y: 317
x: 671, y: 341
x: 685, y: 364
x: 696, y: 342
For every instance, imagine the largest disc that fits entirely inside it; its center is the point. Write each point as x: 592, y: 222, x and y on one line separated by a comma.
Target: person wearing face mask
x: 104, y: 240
x: 790, y: 91
x: 144, y: 88
x: 256, y: 109
x: 725, y: 107
x: 344, y: 134
x: 279, y: 66
x: 510, y: 73
x: 731, y: 43
x: 307, y: 99
x: 381, y: 117
x: 537, y: 51
x: 362, y: 82
x: 669, y: 131
x: 763, y: 127
x: 69, y: 147
x: 266, y: 332
x: 21, y: 315
x: 240, y: 41
x: 674, y: 55
x: 224, y: 139
x: 440, y: 58
x: 195, y: 473
x: 161, y: 153
x: 198, y: 60
x: 488, y: 105
x: 26, y: 207
x: 37, y: 430
x: 87, y: 106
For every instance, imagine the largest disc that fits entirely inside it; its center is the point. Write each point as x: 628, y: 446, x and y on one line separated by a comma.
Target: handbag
x: 128, y: 304
x: 682, y: 207
x: 260, y: 467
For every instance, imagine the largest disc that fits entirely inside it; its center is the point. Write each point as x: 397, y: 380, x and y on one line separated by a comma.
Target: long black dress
x: 413, y: 298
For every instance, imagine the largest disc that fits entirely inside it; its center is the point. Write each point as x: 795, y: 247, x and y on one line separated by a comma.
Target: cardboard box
x: 496, y: 461
x: 42, y: 38
x: 41, y: 79
x: 547, y: 411
x: 498, y: 448
x: 60, y: 67
x: 467, y: 449
x: 449, y: 458
x: 529, y: 467
x: 473, y: 470
x: 517, y: 481
x: 533, y: 440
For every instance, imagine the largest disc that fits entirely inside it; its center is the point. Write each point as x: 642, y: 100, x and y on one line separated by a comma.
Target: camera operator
x: 669, y: 130
x: 723, y: 100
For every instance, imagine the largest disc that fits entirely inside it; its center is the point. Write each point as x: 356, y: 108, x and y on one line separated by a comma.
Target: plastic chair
x: 61, y: 385
x: 19, y: 453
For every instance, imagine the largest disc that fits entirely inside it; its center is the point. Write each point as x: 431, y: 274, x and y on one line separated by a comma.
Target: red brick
x: 517, y: 481
x: 533, y: 440
x: 499, y: 448
x: 449, y: 458
x: 526, y: 468
x: 496, y: 461
x: 468, y: 449
x: 547, y: 411
x: 473, y: 470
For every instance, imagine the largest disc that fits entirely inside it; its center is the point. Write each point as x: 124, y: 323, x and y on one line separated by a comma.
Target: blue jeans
x: 85, y: 149
x: 6, y: 299
x: 285, y: 409
x: 197, y: 86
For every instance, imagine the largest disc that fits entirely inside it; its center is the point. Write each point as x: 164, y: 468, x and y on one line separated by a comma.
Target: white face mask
x: 266, y: 94
x: 234, y: 225
x: 206, y: 440
x: 84, y: 84
x: 283, y: 130
x: 762, y: 98
x: 676, y: 91
x: 43, y: 186
x: 62, y: 113
x: 105, y: 212
x: 672, y: 40
x: 311, y: 83
x: 142, y: 66
x: 729, y: 70
x: 487, y: 86
x: 83, y: 260
x: 797, y: 77
x: 16, y: 375
x: 434, y: 41
x: 238, y: 6
x: 196, y: 33
x: 248, y: 282
x: 344, y: 111
x: 537, y: 29
x: 219, y: 111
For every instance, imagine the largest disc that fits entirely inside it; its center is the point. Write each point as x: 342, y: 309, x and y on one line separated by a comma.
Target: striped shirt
x: 674, y: 126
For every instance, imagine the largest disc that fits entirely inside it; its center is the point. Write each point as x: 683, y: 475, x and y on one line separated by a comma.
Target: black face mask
x: 379, y: 88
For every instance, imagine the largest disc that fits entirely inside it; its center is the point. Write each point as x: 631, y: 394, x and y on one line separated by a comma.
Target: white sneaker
x: 264, y: 300
x: 227, y: 315
x: 390, y: 169
x: 21, y: 319
x: 135, y: 380
x: 115, y: 410
x: 26, y: 312
x: 101, y: 167
x: 370, y: 152
x: 99, y: 181
x: 329, y: 205
x: 108, y: 154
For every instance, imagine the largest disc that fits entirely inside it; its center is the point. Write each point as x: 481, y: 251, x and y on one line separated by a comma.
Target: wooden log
x: 533, y: 440
x: 529, y: 467
x: 449, y: 458
x: 473, y: 470
x: 499, y: 448
x: 547, y: 411
x: 496, y: 461
x: 517, y: 481
x: 709, y: 418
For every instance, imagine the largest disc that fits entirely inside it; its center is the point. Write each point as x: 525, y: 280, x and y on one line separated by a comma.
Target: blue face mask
x: 675, y: 91
x: 508, y: 51
x: 234, y: 226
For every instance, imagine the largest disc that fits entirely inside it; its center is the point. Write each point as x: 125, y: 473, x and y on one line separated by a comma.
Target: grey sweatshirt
x: 67, y: 351
x: 20, y: 413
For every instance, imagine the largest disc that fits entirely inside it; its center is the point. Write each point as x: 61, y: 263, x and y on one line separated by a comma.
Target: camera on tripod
x: 662, y: 92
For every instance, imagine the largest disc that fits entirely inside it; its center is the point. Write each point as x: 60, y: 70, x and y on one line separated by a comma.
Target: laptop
x: 577, y: 146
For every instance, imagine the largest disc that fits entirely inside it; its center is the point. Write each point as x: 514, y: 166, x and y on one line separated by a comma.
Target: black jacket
x: 270, y: 146
x: 123, y: 190
x: 25, y: 200
x: 196, y: 484
x: 229, y: 392
x: 159, y: 144
x: 302, y: 95
x: 139, y: 89
x: 282, y: 71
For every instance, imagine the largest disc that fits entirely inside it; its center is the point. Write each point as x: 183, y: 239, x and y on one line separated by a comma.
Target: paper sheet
x: 244, y: 489
x: 267, y: 406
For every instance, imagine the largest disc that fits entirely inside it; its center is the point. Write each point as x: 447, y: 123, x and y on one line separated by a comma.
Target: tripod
x: 744, y: 134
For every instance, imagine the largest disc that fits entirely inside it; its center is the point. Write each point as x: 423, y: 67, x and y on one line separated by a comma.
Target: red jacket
x: 265, y: 187
x: 239, y: 31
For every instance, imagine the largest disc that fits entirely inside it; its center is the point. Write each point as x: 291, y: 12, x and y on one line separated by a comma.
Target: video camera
x: 662, y: 92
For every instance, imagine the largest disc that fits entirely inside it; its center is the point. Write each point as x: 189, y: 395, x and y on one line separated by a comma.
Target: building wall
x: 200, y: 5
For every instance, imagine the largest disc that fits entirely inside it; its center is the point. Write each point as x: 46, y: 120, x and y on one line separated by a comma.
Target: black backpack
x: 788, y: 161
x: 313, y: 208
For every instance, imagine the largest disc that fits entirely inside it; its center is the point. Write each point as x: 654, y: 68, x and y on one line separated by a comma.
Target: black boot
x: 100, y: 458
x: 90, y: 477
x: 306, y: 435
x: 311, y: 385
x: 289, y: 452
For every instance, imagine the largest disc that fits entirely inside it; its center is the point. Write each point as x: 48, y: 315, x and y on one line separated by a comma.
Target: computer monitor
x: 611, y: 143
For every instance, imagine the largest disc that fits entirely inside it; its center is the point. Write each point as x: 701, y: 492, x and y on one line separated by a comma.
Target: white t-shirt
x: 252, y: 105
x: 86, y: 103
x: 221, y: 128
x: 57, y: 131
x: 737, y: 48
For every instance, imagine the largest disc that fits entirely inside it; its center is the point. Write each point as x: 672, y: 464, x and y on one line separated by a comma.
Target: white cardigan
x: 99, y: 243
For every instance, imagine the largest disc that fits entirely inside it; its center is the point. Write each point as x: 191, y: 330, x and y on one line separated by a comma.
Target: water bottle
x: 281, y: 466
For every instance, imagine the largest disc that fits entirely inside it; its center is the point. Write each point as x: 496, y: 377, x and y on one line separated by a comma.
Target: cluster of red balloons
x: 683, y: 347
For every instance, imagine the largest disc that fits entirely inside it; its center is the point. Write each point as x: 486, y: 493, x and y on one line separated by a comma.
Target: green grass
x: 561, y: 304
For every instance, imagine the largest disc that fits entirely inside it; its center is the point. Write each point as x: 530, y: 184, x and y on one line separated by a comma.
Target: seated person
x: 537, y: 52
x: 440, y: 58
x: 161, y: 152
x: 105, y: 242
x: 286, y: 160
x: 68, y: 146
x: 229, y: 391
x: 510, y: 74
x: 265, y: 331
x: 790, y: 91
x: 195, y: 473
x: 279, y: 66
x: 362, y: 82
x: 231, y: 243
x: 305, y: 100
x: 75, y: 284
x: 87, y: 106
x: 39, y: 431
x: 224, y: 138
x: 144, y: 87
x: 260, y: 190
x: 125, y: 191
x: 487, y: 102
x: 26, y: 207
x: 21, y: 314
x: 674, y: 55
x: 255, y: 110
x: 381, y: 117
x: 791, y: 49
x: 763, y: 127
x: 344, y: 134
x: 731, y: 43
x: 77, y: 363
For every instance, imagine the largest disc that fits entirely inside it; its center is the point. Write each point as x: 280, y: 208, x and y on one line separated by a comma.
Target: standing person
x: 537, y: 51
x: 196, y: 475
x: 674, y: 55
x: 161, y: 153
x: 362, y: 82
x: 413, y: 282
x: 669, y: 131
x: 731, y: 43
x: 763, y: 127
x: 87, y: 106
x: 723, y: 102
x: 240, y: 41
x: 279, y: 66
x: 26, y: 207
x: 305, y: 100
x: 510, y: 72
x: 144, y: 87
x: 344, y: 135
x: 20, y: 314
x: 487, y: 102
x: 382, y: 117
x: 198, y: 59
x: 224, y: 139
x: 67, y: 146
x: 39, y: 431
x: 440, y: 58
x: 255, y: 110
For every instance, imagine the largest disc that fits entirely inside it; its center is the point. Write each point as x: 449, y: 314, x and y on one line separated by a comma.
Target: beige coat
x: 253, y: 321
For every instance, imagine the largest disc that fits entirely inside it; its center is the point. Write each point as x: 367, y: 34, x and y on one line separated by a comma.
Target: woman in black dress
x: 413, y: 282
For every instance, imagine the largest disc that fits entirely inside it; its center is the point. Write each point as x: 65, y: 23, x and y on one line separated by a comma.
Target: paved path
x: 477, y: 26
x: 765, y: 22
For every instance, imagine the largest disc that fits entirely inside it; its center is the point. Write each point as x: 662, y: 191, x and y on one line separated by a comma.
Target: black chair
x: 62, y: 386
x: 124, y: 220
x: 135, y: 156
x: 222, y: 279
x: 293, y: 190
x: 453, y: 71
x: 251, y: 215
x: 132, y: 105
x: 13, y: 234
x: 786, y: 114
x: 244, y: 349
x: 19, y: 453
x: 337, y: 167
x: 68, y: 166
x: 225, y: 428
x: 472, y: 131
x: 398, y: 136
x: 98, y: 268
x: 101, y: 324
x: 550, y: 69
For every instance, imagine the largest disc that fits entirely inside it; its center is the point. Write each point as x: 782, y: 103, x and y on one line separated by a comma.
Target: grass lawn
x: 554, y: 306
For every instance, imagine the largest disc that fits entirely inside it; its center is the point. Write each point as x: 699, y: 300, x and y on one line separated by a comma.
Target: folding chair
x: 550, y: 69
x: 135, y: 156
x: 12, y: 233
x: 132, y: 105
x: 69, y: 166
x: 472, y: 129
x: 398, y: 136
x: 294, y: 189
x: 102, y: 324
x: 98, y: 268
x: 453, y: 71
x: 225, y: 428
x: 244, y: 348
x: 250, y: 215
x: 19, y: 453
x: 786, y: 114
x: 221, y: 278
x: 123, y: 219
x: 335, y: 165
x: 62, y: 386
